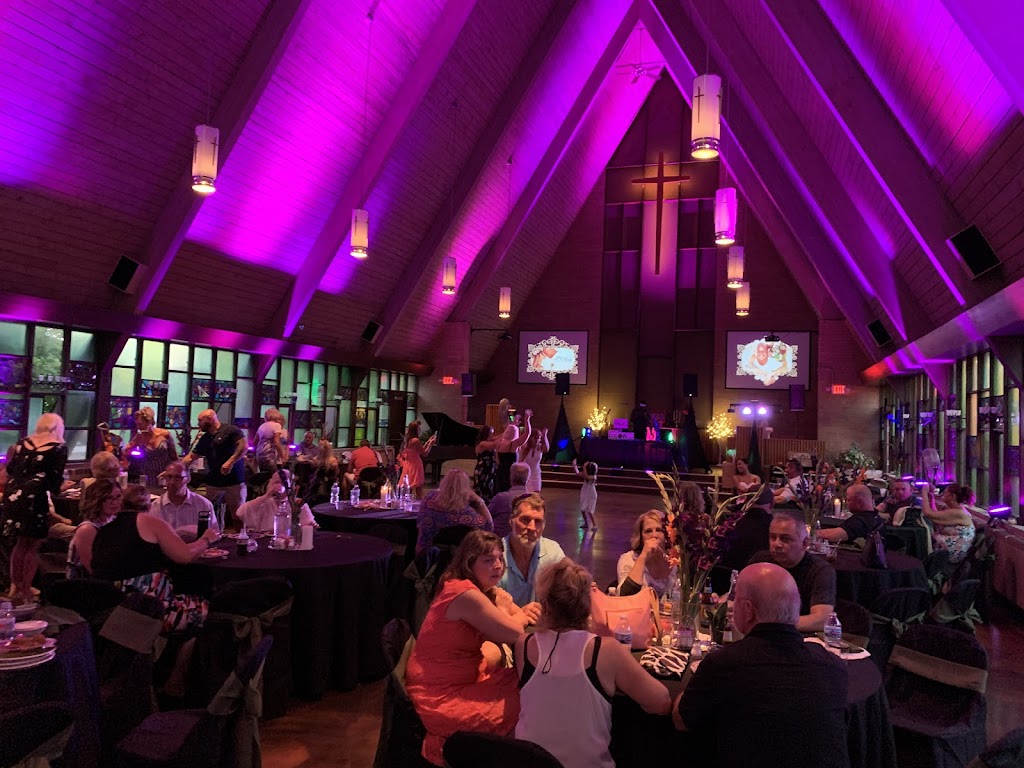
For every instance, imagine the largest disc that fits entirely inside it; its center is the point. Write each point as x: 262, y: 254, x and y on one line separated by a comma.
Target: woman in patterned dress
x: 952, y: 527
x: 152, y: 448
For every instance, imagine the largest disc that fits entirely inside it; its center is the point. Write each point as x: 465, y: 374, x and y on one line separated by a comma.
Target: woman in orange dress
x: 410, y: 460
x: 455, y: 677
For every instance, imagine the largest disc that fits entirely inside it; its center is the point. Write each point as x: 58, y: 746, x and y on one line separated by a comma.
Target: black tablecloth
x: 643, y: 740
x: 338, y: 610
x: 69, y: 679
x: 349, y: 519
x: 632, y: 454
x: 915, y: 537
x: 863, y: 585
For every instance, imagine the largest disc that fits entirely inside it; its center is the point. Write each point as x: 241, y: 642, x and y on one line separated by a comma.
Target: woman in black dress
x: 35, y: 469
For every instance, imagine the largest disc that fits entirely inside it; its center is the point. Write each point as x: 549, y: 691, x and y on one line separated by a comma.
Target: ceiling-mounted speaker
x: 797, y: 397
x: 562, y: 384
x: 123, y: 273
x: 690, y: 385
x: 974, y: 250
x: 372, y: 332
x: 469, y: 385
x: 879, y: 334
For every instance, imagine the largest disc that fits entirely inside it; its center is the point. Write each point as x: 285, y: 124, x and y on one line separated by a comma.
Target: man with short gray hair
x: 862, y: 522
x: 501, y: 505
x: 757, y: 684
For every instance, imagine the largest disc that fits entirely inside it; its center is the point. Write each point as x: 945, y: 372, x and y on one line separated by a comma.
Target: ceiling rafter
x: 471, y: 169
x: 877, y: 135
x: 766, y: 184
x: 409, y: 97
x: 487, y: 263
x: 275, y: 32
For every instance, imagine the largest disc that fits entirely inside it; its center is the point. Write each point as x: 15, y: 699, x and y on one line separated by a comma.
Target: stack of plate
x: 30, y: 658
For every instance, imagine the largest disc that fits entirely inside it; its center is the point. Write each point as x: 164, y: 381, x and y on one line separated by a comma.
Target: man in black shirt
x: 769, y: 683
x: 815, y: 579
x: 862, y: 522
x: 223, y: 446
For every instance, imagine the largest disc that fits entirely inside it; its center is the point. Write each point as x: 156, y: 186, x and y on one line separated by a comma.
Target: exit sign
x: 840, y: 389
x: 449, y: 380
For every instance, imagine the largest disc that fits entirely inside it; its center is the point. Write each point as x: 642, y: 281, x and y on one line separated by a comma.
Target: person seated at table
x: 361, y: 458
x: 755, y: 685
x: 455, y: 678
x: 901, y: 495
x: 815, y: 579
x: 453, y: 503
x: 750, y: 535
x: 102, y: 465
x: 647, y: 562
x: 953, y: 526
x: 567, y: 676
x: 743, y: 479
x: 101, y: 501
x: 134, y: 550
x: 863, y: 520
x: 527, y: 551
x: 326, y: 474
x: 309, y: 448
x: 180, y: 506
x: 795, y: 488
x: 501, y: 505
x: 258, y: 514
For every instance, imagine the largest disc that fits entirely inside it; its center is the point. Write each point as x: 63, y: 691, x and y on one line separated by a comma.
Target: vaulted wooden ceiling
x: 861, y: 133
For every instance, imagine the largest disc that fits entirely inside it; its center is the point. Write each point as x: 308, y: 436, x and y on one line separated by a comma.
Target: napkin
x: 664, y: 662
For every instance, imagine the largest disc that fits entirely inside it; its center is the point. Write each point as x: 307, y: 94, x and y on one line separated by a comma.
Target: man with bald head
x: 223, y: 446
x: 753, y: 698
x: 862, y: 522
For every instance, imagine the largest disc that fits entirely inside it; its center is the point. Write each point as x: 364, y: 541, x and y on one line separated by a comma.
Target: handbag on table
x: 640, y: 610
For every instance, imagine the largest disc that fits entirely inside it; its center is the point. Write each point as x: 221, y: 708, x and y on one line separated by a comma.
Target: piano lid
x: 449, y: 431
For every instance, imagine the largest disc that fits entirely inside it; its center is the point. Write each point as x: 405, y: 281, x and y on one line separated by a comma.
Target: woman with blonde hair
x: 151, y: 449
x: 410, y: 459
x: 326, y: 474
x: 647, y: 562
x: 453, y: 503
x: 567, y: 676
x: 35, y: 470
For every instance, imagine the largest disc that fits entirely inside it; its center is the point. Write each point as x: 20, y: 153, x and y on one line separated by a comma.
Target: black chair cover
x: 371, y: 480
x: 92, y: 599
x: 1008, y: 752
x: 36, y: 730
x: 936, y: 724
x: 891, y: 613
x: 464, y: 749
x: 937, y: 569
x: 856, y: 620
x: 401, y: 730
x: 956, y: 609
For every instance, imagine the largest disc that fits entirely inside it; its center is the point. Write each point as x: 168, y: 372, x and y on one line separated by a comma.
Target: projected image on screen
x: 544, y: 354
x: 763, y: 360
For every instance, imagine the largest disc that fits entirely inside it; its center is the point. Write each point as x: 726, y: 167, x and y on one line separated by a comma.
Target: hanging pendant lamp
x: 705, y: 130
x: 204, y: 160
x: 725, y: 216
x: 360, y: 233
x: 505, y: 303
x: 743, y: 300
x: 448, y: 270
x: 735, y: 268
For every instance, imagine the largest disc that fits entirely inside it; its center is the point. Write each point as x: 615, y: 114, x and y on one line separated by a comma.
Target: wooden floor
x: 341, y: 729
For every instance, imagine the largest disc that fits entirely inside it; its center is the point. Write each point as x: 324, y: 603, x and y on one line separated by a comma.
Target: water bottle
x: 283, y: 520
x: 335, y: 494
x: 243, y: 542
x: 353, y: 496
x: 623, y: 632
x: 404, y: 491
x: 203, y: 524
x: 833, y: 631
x: 7, y: 621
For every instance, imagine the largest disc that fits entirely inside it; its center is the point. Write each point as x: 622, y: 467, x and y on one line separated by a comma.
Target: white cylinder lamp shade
x: 448, y: 273
x: 505, y: 303
x: 743, y: 300
x: 360, y: 233
x: 705, y: 131
x: 735, y: 267
x: 204, y: 159
x: 725, y: 216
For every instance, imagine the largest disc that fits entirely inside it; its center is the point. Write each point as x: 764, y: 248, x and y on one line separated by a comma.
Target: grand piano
x: 455, y: 440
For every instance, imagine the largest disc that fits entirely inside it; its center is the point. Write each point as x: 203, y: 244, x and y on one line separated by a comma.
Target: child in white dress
x: 588, y: 493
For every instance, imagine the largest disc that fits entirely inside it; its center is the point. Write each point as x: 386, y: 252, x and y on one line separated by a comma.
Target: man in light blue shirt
x: 527, y: 552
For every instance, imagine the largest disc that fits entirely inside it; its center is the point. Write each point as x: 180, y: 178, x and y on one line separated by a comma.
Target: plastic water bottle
x: 624, y: 632
x: 283, y: 521
x: 816, y: 531
x: 335, y: 494
x: 833, y: 631
x: 7, y: 621
x: 404, y: 492
x: 353, y: 496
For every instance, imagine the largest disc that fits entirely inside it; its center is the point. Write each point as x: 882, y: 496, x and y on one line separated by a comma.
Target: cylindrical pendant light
x: 448, y: 269
x: 735, y: 267
x: 505, y: 303
x: 360, y: 233
x: 204, y: 159
x: 725, y: 216
x: 743, y: 300
x: 705, y: 128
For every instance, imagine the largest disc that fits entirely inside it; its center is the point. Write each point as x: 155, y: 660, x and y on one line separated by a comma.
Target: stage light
x: 762, y: 411
x: 746, y: 410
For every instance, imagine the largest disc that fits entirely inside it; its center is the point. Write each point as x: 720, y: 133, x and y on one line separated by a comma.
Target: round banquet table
x: 641, y: 740
x: 336, y: 616
x: 346, y: 518
x: 863, y: 585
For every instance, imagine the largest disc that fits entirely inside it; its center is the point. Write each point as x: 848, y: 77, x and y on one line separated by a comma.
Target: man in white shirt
x: 796, y: 487
x: 180, y: 506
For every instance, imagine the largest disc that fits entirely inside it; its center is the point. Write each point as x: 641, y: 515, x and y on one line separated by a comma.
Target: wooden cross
x: 660, y: 180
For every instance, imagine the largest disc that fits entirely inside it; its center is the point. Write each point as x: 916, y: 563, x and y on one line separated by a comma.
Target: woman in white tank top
x: 567, y: 675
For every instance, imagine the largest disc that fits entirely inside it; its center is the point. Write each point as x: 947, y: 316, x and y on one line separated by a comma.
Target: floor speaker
x: 372, y: 332
x: 878, y: 333
x: 123, y: 273
x: 562, y: 384
x: 797, y: 397
x: 469, y: 385
x: 690, y: 385
x: 975, y: 251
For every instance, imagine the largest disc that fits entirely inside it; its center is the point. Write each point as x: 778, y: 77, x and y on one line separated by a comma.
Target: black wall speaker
x: 372, y: 332
x: 561, y: 383
x: 797, y: 397
x: 690, y: 385
x: 469, y: 385
x: 878, y: 332
x: 974, y: 250
x: 123, y: 273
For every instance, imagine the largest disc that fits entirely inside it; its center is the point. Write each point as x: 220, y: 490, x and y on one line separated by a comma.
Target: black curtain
x: 695, y: 458
x: 754, y: 452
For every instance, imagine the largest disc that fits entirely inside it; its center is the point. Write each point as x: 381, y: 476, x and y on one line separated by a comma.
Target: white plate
x: 27, y: 662
x: 30, y: 627
x: 25, y: 609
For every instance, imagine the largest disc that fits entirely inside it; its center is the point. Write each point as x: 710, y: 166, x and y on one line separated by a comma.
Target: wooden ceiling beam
x: 471, y: 170
x: 336, y: 228
x: 275, y: 32
x: 488, y: 262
